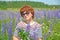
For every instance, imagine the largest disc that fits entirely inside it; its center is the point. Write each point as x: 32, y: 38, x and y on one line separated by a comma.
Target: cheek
x: 30, y: 15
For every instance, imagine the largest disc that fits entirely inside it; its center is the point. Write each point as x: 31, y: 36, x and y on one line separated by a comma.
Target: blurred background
x: 47, y: 12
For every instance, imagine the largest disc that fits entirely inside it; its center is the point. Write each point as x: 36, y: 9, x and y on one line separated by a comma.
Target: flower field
x: 50, y: 20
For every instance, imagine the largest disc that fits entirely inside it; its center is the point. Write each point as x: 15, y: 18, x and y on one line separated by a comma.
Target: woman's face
x: 27, y: 15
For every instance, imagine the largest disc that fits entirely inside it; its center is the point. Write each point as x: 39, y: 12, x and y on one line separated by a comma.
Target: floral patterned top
x: 35, y: 30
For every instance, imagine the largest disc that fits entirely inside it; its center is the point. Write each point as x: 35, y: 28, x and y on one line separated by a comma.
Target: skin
x: 15, y: 38
x: 28, y: 19
x: 40, y: 39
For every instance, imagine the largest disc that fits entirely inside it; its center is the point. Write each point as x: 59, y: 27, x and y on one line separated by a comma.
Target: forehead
x: 24, y: 12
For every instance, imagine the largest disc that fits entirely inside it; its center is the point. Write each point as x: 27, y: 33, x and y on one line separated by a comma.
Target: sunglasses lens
x: 25, y: 13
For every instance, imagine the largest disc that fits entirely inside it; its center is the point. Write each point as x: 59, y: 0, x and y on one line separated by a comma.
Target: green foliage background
x: 18, y: 4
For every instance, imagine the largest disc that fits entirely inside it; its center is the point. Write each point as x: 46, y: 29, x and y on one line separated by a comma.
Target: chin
x: 27, y: 19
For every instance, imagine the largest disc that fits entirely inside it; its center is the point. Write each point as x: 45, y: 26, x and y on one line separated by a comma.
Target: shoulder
x: 20, y: 24
x: 37, y: 24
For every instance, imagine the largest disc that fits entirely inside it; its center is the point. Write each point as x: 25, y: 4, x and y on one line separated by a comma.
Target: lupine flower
x: 2, y: 30
x: 36, y: 12
x: 28, y: 28
x: 2, y: 17
x: 50, y: 29
x: 12, y: 15
x: 10, y: 31
x: 10, y: 28
x: 49, y: 12
x: 45, y: 35
x: 2, y: 27
x: 7, y: 26
x: 59, y: 14
x: 44, y: 14
x: 18, y: 18
x: 55, y: 16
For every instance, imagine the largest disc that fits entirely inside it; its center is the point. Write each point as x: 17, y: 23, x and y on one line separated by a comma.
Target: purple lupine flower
x: 2, y: 17
x: 28, y: 28
x: 41, y: 13
x: 36, y: 16
x: 50, y: 29
x: 18, y: 18
x: 55, y: 16
x: 7, y: 26
x: 0, y: 12
x: 10, y: 28
x: 49, y: 12
x: 45, y: 35
x: 11, y: 16
x: 58, y: 13
x: 2, y: 27
x: 10, y: 31
x: 44, y: 14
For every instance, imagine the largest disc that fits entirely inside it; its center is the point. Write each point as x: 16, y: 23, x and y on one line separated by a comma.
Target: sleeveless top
x: 34, y: 33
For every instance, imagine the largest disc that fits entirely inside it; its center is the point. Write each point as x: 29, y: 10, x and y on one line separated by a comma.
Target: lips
x: 26, y: 16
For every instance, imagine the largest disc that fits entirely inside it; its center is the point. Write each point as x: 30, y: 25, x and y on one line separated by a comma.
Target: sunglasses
x: 27, y: 13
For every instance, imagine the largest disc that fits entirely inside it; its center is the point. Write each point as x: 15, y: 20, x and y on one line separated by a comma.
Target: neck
x: 29, y: 21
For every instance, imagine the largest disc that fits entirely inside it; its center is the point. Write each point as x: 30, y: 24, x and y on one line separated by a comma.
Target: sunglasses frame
x: 27, y: 13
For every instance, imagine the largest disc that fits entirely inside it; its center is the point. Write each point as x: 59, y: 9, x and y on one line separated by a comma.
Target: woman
x: 35, y: 31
